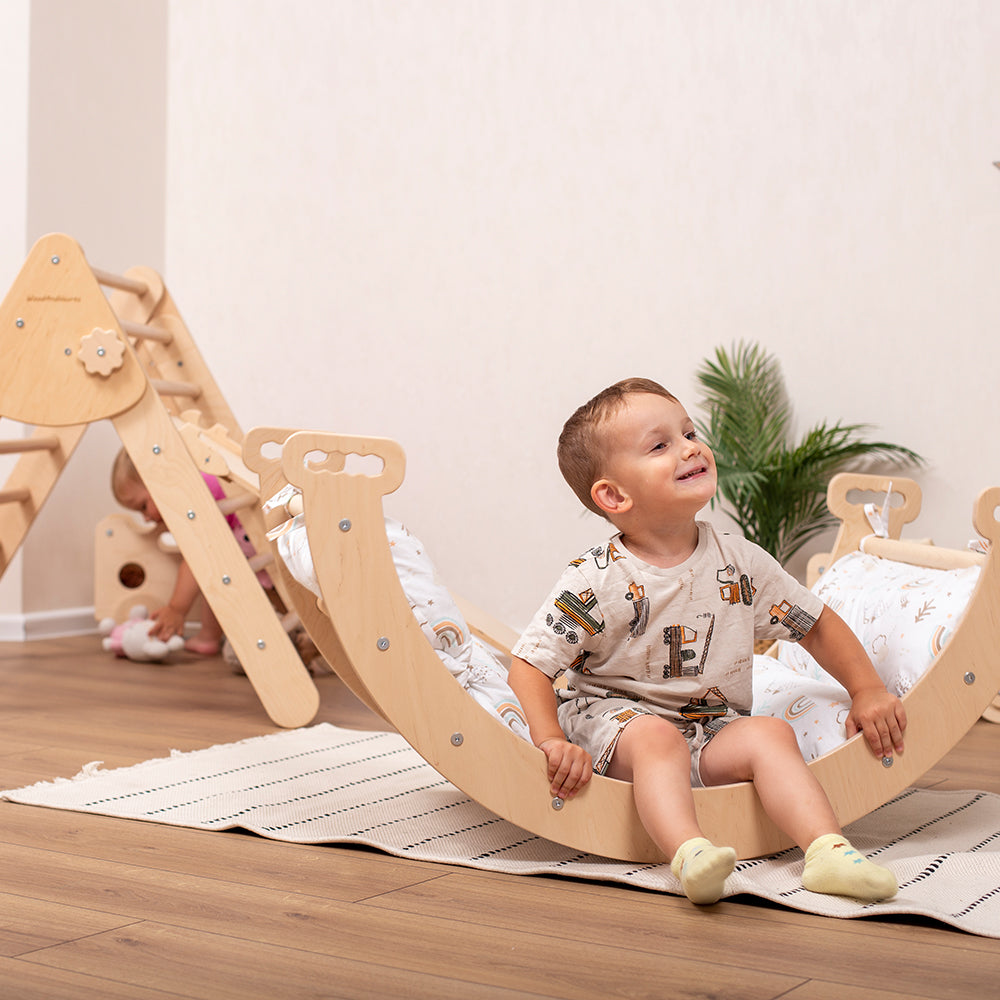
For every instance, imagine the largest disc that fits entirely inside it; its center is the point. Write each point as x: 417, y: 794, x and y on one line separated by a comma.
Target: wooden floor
x: 101, y: 908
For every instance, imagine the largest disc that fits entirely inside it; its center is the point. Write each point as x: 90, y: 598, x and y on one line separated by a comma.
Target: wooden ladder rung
x: 40, y: 442
x: 144, y: 332
x: 260, y: 561
x: 229, y: 505
x: 165, y: 388
x: 121, y: 282
x: 19, y: 495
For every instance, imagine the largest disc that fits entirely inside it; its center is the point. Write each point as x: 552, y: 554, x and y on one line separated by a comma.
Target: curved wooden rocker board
x: 392, y: 667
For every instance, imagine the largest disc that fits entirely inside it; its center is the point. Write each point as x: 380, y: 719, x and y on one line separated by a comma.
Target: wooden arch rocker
x: 366, y: 631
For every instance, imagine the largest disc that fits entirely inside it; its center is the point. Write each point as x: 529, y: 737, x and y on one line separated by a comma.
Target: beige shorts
x: 597, y: 723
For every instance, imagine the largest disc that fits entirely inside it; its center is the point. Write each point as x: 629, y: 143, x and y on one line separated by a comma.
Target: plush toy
x: 131, y: 639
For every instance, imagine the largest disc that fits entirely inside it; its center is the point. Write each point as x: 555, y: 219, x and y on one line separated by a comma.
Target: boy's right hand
x: 569, y: 766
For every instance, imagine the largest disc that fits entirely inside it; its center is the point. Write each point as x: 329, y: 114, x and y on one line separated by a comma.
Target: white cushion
x: 903, y: 615
x: 469, y: 661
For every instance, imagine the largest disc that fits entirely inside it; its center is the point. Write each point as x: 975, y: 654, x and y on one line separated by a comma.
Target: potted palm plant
x: 773, y: 487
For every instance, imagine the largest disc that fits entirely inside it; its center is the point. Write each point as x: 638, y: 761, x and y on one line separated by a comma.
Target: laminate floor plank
x: 97, y: 908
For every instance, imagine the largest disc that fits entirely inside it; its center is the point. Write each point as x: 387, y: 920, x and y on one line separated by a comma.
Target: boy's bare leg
x: 207, y: 641
x: 764, y: 750
x: 654, y: 756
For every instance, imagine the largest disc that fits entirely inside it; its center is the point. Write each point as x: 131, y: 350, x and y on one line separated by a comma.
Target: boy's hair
x: 123, y: 471
x: 582, y: 450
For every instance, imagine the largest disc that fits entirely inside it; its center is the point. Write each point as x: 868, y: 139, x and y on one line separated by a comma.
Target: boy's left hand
x: 168, y: 622
x: 881, y: 717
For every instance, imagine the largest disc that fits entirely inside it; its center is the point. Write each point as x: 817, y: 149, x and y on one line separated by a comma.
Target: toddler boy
x: 654, y: 631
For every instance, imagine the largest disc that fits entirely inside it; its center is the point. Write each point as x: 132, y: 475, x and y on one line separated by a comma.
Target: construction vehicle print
x: 575, y: 614
x: 603, y: 557
x: 626, y: 715
x: 699, y: 710
x: 797, y: 621
x: 640, y: 603
x: 677, y: 639
x: 735, y: 591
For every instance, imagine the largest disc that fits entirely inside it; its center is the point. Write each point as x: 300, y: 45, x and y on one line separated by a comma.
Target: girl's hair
x: 582, y: 450
x: 123, y: 471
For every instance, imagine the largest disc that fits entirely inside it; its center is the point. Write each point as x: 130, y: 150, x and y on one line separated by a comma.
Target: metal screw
x: 191, y: 515
x: 68, y: 351
x: 969, y: 678
x: 55, y: 260
x: 557, y: 804
x: 383, y: 643
x: 226, y: 580
x: 19, y: 322
x: 345, y: 525
x: 101, y: 352
x: 261, y: 644
x: 457, y: 739
x: 156, y: 449
x: 887, y: 762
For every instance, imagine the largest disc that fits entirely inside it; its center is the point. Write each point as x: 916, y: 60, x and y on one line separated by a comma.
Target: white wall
x: 96, y: 169
x: 14, y: 17
x: 451, y: 222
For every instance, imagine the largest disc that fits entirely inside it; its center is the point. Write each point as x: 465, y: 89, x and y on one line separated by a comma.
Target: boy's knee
x: 772, y: 724
x: 777, y: 733
x: 651, y: 734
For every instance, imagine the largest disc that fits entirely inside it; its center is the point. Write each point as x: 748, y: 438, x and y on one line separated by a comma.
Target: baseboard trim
x: 47, y: 624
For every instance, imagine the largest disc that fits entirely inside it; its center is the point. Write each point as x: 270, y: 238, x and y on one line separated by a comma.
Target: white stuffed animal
x: 131, y: 639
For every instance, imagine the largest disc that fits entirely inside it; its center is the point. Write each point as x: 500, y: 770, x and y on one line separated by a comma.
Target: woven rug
x: 326, y: 785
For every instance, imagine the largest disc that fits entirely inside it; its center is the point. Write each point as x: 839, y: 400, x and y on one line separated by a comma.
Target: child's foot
x: 203, y: 647
x: 833, y: 866
x: 703, y: 869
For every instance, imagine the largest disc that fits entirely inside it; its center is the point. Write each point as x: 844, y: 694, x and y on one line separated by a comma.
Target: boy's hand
x: 168, y: 622
x: 569, y: 766
x: 881, y: 717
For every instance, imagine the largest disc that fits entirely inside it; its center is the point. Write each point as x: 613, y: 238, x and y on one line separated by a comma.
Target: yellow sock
x: 833, y: 866
x: 703, y: 869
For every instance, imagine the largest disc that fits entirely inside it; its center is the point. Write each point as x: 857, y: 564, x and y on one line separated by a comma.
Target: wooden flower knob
x: 101, y: 351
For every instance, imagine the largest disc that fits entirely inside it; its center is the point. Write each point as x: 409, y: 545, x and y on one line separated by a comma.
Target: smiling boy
x: 658, y: 656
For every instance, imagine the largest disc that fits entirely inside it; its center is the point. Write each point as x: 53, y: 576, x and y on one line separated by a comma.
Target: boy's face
x: 655, y: 459
x: 136, y: 497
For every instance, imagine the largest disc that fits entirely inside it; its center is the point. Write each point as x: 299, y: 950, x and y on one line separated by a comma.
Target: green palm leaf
x: 773, y: 488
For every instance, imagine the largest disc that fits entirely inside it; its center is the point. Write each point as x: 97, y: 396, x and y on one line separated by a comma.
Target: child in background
x: 658, y: 656
x: 130, y: 491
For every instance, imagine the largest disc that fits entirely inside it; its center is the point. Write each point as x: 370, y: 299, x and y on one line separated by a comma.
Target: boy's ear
x: 609, y: 497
